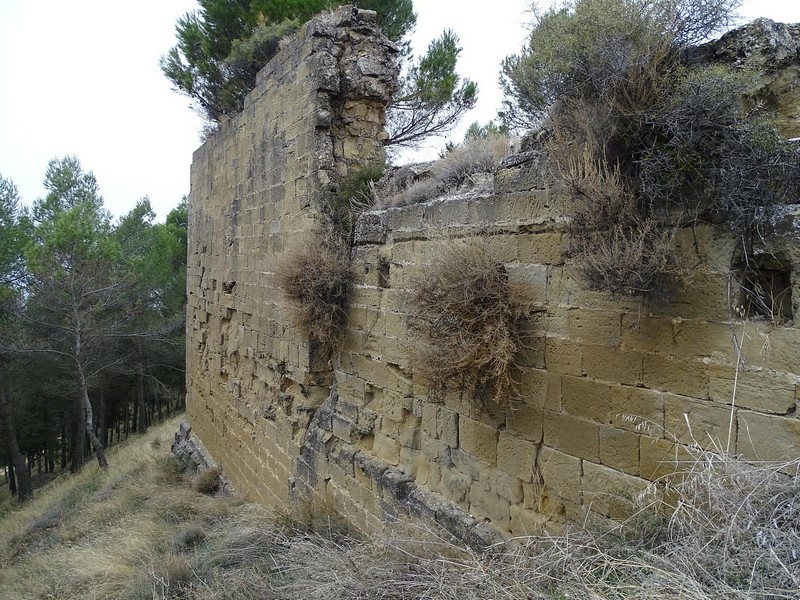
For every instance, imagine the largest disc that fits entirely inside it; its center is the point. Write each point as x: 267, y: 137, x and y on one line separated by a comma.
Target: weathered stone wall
x: 612, y: 389
x: 256, y: 192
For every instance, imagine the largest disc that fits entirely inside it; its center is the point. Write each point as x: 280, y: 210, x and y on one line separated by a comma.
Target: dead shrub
x: 206, y: 481
x: 319, y: 280
x: 675, y: 140
x: 475, y: 155
x: 465, y: 320
x: 615, y: 246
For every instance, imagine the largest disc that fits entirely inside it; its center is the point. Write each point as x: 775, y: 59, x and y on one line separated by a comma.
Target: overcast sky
x: 81, y: 77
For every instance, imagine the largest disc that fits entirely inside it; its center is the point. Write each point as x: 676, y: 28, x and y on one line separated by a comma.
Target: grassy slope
x: 141, y: 530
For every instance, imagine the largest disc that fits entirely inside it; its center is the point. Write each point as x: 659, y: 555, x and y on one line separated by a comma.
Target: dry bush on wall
x: 207, y: 481
x: 614, y: 246
x: 465, y: 320
x: 318, y: 279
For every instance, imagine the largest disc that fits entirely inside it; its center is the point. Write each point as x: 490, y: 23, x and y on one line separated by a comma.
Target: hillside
x: 142, y: 529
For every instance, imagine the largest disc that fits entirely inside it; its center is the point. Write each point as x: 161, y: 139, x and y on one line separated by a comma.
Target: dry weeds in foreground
x: 139, y: 531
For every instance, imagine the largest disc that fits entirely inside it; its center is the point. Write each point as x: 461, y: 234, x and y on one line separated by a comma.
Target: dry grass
x: 207, y: 481
x: 726, y: 530
x: 465, y: 319
x: 454, y: 170
x: 319, y: 280
x: 92, y: 535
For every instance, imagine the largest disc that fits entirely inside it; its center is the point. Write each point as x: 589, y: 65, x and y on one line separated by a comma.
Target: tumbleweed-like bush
x: 318, y: 281
x: 465, y: 318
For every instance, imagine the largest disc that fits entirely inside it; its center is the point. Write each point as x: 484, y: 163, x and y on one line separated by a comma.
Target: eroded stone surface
x: 607, y: 384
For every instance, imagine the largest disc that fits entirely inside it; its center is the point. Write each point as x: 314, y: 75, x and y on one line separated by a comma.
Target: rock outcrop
x: 773, y: 51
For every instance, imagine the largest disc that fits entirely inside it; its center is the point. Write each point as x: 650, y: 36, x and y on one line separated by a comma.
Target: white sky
x: 82, y: 77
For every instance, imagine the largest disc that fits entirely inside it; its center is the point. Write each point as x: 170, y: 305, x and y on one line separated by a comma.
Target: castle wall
x: 613, y: 390
x: 256, y: 192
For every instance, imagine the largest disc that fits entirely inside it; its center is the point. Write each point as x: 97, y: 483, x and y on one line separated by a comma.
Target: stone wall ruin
x: 614, y: 389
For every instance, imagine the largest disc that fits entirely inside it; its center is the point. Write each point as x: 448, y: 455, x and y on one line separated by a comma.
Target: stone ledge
x: 189, y: 450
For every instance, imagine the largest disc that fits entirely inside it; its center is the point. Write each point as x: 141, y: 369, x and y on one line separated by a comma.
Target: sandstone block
x: 533, y: 352
x: 541, y: 249
x: 429, y: 416
x: 586, y: 398
x: 517, y: 456
x: 478, y: 440
x: 781, y: 347
x: 563, y: 357
x: 601, y: 327
x: 534, y: 385
x: 561, y: 474
x: 660, y: 458
x: 455, y: 486
x: 562, y: 290
x: 638, y: 409
x: 386, y: 448
x: 760, y: 390
x: 768, y: 437
x: 572, y: 435
x: 415, y: 464
x: 705, y: 299
x: 688, y: 378
x: 699, y: 422
x: 487, y: 504
x: 609, y: 492
x: 701, y: 339
x: 525, y: 421
x: 619, y: 449
x: 447, y: 427
x: 647, y: 333
x: 612, y: 364
x: 528, y: 281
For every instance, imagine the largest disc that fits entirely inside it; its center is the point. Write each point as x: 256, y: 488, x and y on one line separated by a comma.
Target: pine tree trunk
x: 51, y: 458
x: 89, y: 422
x: 158, y: 408
x: 134, y: 418
x: 12, y: 480
x: 64, y: 448
x: 78, y: 438
x: 103, y: 420
x: 141, y: 426
x: 24, y: 487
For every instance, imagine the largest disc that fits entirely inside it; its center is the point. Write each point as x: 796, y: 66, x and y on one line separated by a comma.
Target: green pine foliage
x: 91, y: 321
x: 432, y: 97
x: 222, y: 46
